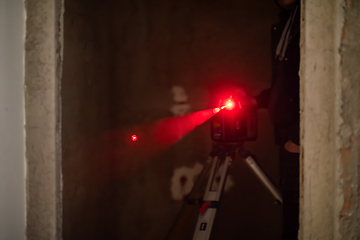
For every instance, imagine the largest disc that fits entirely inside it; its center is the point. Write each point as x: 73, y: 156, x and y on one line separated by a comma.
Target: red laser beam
x: 125, y: 151
x: 216, y: 110
x: 169, y: 131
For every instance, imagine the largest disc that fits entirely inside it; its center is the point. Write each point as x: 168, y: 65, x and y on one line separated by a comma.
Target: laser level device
x: 235, y: 122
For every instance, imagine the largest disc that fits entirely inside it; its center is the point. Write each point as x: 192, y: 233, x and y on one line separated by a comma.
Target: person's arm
x: 262, y: 99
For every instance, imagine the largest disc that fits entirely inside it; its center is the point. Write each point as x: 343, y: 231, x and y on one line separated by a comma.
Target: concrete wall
x: 330, y: 120
x: 91, y: 197
x: 121, y: 62
x: 12, y: 132
x: 111, y: 195
x: 43, y: 53
x: 318, y: 123
x: 350, y: 127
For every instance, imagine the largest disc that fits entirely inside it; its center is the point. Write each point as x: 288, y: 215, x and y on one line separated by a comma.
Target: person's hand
x: 292, y: 147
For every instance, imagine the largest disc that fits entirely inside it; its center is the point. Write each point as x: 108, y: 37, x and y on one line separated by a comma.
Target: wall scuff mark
x: 184, y: 179
x: 180, y: 98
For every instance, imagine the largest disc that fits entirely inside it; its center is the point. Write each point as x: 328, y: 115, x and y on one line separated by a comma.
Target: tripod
x: 212, y: 195
x: 220, y: 159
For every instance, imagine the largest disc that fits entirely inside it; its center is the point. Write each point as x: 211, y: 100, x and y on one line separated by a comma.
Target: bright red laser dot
x: 230, y: 104
x: 134, y: 138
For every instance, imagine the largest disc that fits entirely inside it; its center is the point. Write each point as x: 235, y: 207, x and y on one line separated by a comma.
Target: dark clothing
x: 282, y: 100
x: 290, y: 188
x: 289, y: 169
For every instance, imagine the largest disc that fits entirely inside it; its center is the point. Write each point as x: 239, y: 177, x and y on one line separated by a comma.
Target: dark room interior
x: 131, y: 63
x: 114, y: 114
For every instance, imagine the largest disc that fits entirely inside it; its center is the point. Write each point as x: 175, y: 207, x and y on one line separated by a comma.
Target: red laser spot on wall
x: 134, y: 138
x: 125, y: 152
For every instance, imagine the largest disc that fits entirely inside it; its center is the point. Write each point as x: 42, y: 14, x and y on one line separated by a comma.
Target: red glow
x: 230, y: 104
x: 170, y: 130
x: 216, y: 110
x: 134, y: 138
x: 124, y: 152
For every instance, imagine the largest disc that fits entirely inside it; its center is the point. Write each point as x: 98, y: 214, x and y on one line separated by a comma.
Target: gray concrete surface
x: 319, y: 127
x: 42, y: 108
x: 350, y: 127
x: 330, y: 120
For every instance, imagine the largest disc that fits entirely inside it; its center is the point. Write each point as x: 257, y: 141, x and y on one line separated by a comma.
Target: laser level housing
x: 234, y: 125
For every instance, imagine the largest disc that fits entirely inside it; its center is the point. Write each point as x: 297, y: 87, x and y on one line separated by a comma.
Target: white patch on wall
x: 180, y: 98
x: 184, y: 179
x: 229, y: 181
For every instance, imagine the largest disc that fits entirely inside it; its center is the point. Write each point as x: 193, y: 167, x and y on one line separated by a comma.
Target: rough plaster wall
x: 319, y: 111
x: 330, y: 120
x: 350, y: 128
x: 42, y: 77
x: 318, y: 122
x: 121, y: 62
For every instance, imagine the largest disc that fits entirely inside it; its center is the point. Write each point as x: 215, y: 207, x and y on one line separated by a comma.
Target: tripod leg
x: 211, y: 198
x: 190, y: 209
x: 262, y: 176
